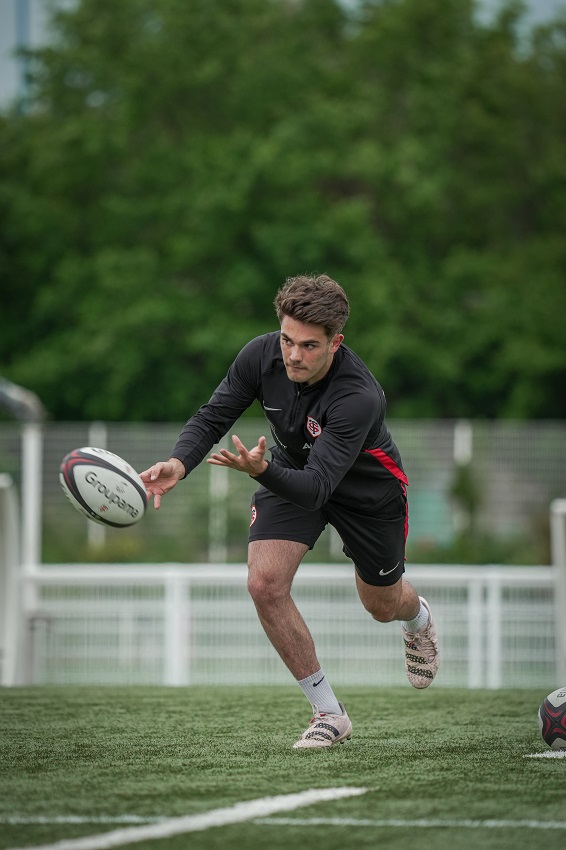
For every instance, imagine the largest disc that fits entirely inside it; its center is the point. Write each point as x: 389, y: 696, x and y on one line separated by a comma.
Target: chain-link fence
x: 469, y: 482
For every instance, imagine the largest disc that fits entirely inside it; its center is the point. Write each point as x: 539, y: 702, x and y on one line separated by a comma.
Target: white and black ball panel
x: 103, y: 487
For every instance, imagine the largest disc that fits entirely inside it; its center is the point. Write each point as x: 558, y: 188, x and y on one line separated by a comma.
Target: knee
x: 383, y: 603
x: 264, y: 590
x: 383, y: 612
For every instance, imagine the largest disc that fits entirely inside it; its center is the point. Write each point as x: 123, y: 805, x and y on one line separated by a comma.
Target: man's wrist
x: 179, y: 467
x: 264, y: 466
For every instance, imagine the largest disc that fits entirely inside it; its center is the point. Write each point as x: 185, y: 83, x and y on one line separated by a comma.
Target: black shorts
x: 375, y: 543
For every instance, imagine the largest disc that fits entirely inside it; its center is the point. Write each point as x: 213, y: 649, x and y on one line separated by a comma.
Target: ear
x: 336, y: 342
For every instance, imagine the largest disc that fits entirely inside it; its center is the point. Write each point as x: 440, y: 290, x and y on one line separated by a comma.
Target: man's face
x: 307, y: 351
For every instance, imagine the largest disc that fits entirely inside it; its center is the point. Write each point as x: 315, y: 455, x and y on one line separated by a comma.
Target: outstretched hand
x: 251, y: 461
x: 162, y: 477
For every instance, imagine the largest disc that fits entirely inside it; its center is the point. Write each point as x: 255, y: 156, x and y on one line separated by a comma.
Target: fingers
x: 228, y: 459
x: 158, y: 480
x: 157, y: 470
x: 152, y: 473
x: 249, y: 461
x: 225, y: 458
x: 218, y: 459
x: 152, y: 494
x: 242, y: 451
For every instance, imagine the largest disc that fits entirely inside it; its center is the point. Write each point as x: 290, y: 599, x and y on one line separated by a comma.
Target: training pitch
x: 84, y: 768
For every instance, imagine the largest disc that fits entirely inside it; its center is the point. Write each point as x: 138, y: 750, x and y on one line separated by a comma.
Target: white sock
x: 419, y: 621
x: 317, y: 690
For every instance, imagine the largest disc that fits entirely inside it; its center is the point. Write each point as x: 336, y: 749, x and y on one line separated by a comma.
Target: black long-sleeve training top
x: 330, y: 437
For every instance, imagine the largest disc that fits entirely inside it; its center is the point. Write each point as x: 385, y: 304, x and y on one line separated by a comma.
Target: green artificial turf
x: 439, y: 755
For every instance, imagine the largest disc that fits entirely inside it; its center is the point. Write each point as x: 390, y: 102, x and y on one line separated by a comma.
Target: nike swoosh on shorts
x: 386, y: 572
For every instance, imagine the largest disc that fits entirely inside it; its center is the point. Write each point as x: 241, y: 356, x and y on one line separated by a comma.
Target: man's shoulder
x: 355, y: 385
x: 259, y: 344
x: 261, y: 353
x: 352, y: 366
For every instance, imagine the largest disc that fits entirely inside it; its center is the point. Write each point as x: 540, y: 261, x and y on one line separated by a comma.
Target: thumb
x: 155, y: 471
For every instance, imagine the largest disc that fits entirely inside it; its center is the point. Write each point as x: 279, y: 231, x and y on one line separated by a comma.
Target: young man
x: 333, y: 462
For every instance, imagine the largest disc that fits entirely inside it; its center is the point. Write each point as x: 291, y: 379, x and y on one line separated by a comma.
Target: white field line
x: 551, y: 754
x: 431, y: 823
x: 237, y: 813
x: 14, y: 820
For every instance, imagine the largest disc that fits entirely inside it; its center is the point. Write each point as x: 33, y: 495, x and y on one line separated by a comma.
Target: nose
x: 296, y: 354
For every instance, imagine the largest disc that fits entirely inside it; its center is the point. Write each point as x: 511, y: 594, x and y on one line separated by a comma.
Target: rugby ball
x: 552, y: 719
x: 103, y: 487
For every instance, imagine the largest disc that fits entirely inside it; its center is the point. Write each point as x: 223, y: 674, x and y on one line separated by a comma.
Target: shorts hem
x: 385, y: 581
x: 292, y: 538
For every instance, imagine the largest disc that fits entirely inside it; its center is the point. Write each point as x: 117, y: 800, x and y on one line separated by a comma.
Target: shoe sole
x: 343, y: 739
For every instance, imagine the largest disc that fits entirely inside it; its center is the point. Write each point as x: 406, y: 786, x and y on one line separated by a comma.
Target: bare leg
x: 397, y: 602
x: 272, y: 566
x: 400, y: 602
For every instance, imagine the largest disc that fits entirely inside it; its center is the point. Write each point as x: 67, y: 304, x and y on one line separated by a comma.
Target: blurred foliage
x: 483, y: 548
x: 466, y: 493
x: 178, y: 159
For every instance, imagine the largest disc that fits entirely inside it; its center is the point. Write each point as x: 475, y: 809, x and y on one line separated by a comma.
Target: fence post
x: 475, y: 633
x: 32, y: 478
x: 494, y: 614
x: 174, y: 672
x: 10, y: 604
x: 558, y: 545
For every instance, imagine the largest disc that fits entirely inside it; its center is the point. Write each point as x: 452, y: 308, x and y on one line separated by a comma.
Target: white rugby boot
x: 421, y: 653
x: 325, y: 730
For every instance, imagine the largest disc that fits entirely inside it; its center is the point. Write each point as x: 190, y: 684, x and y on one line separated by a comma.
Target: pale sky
x: 32, y: 17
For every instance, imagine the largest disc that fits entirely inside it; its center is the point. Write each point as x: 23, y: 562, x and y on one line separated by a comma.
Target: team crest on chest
x: 313, y: 427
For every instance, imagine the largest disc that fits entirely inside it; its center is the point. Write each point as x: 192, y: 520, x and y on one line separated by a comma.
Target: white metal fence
x: 182, y: 625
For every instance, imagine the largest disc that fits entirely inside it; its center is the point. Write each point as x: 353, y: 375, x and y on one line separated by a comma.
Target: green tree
x: 155, y: 130
x: 462, y: 163
x: 180, y: 158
